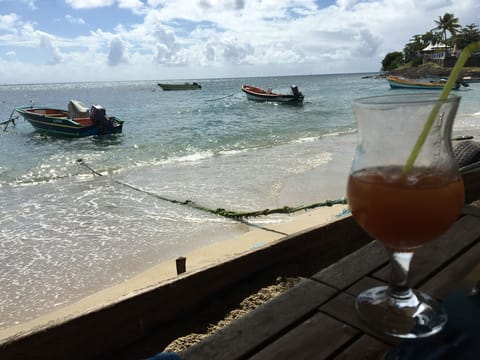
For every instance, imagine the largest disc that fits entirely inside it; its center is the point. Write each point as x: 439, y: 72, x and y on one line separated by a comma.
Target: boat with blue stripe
x: 77, y: 121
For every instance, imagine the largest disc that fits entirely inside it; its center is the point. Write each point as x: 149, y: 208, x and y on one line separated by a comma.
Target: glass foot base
x: 410, y: 317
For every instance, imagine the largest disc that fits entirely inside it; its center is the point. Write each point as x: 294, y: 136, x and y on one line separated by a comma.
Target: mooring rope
x: 236, y: 215
x: 11, y: 119
x: 6, y: 122
x: 220, y: 98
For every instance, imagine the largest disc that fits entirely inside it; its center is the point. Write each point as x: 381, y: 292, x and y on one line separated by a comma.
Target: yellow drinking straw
x: 464, y: 55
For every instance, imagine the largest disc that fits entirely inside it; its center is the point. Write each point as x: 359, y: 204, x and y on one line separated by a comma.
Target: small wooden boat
x: 397, y: 82
x: 185, y: 86
x: 77, y: 121
x: 258, y: 94
x: 469, y: 79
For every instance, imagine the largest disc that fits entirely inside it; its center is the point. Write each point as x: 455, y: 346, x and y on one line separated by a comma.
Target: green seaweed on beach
x: 231, y: 214
x: 455, y: 73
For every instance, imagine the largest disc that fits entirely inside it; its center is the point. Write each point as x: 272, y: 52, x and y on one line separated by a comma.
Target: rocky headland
x: 433, y: 70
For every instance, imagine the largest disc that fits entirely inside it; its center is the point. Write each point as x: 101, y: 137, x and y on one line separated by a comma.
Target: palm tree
x: 447, y: 22
x: 467, y: 35
x: 413, y: 48
x: 432, y: 38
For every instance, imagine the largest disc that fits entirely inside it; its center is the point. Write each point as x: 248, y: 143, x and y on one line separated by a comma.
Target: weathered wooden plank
x: 316, y: 338
x: 303, y: 340
x: 354, y: 266
x: 471, y: 180
x: 364, y: 283
x: 431, y: 257
x: 342, y: 308
x: 366, y: 347
x: 263, y: 324
x: 471, y: 209
x: 446, y: 280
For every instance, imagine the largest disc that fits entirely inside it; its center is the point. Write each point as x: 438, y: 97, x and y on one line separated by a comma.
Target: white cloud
x: 364, y: 43
x: 212, y: 37
x: 162, y: 54
x: 433, y: 4
x: 74, y: 20
x: 235, y: 52
x: 9, y: 22
x: 54, y: 55
x: 346, y: 4
x: 88, y: 4
x: 30, y: 3
x: 117, y: 53
x: 163, y: 35
x: 136, y: 6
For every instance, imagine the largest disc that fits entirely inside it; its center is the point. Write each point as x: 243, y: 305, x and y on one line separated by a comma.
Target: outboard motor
x: 296, y: 92
x: 99, y: 118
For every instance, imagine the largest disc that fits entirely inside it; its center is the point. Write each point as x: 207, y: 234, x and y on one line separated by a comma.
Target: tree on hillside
x: 431, y: 37
x: 413, y: 50
x: 392, y: 61
x: 447, y: 22
x: 467, y: 35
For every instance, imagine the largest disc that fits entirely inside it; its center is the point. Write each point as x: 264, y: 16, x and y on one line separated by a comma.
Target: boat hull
x: 176, y: 87
x: 280, y: 98
x: 257, y: 94
x: 44, y: 120
x: 401, y: 83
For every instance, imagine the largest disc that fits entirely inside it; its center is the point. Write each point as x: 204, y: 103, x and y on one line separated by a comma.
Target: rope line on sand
x: 236, y: 215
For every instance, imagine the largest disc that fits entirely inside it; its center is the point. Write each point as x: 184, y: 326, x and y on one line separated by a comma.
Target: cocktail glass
x: 403, y: 207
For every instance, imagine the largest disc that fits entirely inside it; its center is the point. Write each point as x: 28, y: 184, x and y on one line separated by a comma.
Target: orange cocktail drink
x: 404, y: 212
x: 404, y: 189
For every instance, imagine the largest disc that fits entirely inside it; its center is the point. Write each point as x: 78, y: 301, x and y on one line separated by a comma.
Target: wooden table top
x: 316, y: 319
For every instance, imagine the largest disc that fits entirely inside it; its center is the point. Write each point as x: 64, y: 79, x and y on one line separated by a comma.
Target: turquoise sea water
x: 65, y: 233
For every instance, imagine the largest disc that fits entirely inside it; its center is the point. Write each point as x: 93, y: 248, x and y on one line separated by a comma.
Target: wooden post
x: 181, y: 264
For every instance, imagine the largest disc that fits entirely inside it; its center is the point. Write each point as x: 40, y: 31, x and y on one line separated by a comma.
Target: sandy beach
x: 197, y: 260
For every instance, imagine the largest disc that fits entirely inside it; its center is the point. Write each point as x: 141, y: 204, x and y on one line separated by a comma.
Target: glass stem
x: 400, y: 264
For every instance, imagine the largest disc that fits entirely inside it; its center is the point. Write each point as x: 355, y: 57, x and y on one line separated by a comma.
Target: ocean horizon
x: 67, y: 233
x: 186, y: 79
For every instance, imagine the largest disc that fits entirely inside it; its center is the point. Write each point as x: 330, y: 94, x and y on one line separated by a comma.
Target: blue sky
x: 88, y: 40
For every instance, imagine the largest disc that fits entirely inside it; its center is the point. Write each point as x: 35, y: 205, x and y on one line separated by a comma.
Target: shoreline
x: 209, y: 269
x: 215, y: 253
x: 92, y: 255
x: 165, y: 272
x: 428, y: 70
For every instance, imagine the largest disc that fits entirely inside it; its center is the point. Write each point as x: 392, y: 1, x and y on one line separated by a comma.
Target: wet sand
x: 197, y: 260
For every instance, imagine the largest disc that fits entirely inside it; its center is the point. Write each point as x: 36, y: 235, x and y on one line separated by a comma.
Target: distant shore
x: 430, y: 70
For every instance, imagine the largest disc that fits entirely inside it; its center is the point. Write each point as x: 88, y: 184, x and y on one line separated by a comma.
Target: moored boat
x: 258, y: 94
x: 397, y: 82
x: 185, y: 86
x: 77, y: 121
x: 470, y: 79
